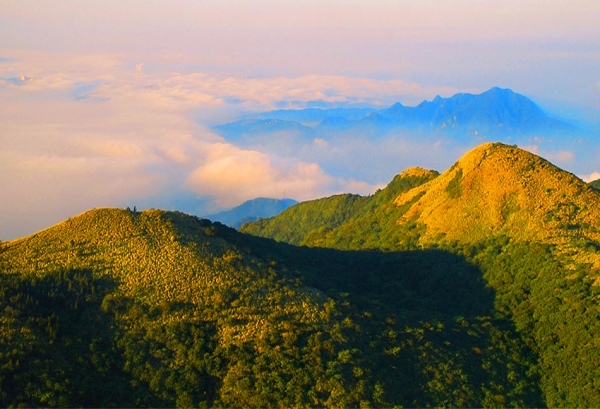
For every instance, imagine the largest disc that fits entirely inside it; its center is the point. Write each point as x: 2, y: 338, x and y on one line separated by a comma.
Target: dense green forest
x: 530, y: 228
x: 264, y: 324
x: 357, y: 303
x: 316, y: 222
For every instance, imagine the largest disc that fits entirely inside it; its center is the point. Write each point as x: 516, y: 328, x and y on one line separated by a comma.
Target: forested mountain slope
x: 121, y: 308
x: 533, y: 230
x: 492, y: 190
x: 315, y: 222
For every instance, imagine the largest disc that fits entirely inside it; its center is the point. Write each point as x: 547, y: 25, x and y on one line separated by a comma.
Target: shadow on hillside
x: 430, y: 314
x: 61, y: 350
x: 432, y: 280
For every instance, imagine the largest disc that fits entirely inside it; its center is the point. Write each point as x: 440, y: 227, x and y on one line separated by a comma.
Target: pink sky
x: 109, y: 103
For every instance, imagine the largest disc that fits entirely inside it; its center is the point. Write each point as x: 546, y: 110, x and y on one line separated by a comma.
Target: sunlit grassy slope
x: 500, y: 189
x: 492, y: 190
x: 155, y: 256
x: 167, y: 262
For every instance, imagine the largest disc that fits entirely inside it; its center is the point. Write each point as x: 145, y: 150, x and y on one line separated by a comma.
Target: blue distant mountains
x: 251, y: 210
x: 492, y: 114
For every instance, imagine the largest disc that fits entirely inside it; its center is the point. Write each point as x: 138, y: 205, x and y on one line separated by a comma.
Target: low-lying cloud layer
x: 86, y: 131
x: 81, y: 131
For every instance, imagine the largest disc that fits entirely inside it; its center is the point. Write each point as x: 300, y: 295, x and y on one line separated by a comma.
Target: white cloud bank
x: 85, y: 131
x: 80, y: 131
x: 590, y: 177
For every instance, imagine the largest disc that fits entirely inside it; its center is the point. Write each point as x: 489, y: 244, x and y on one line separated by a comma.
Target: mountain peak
x: 498, y: 113
x: 498, y: 90
x: 501, y: 189
x: 418, y: 172
x: 252, y: 210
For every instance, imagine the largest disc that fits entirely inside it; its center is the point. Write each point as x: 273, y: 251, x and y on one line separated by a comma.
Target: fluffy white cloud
x: 560, y: 157
x: 40, y: 190
x: 590, y: 177
x: 133, y: 135
x: 233, y: 175
x: 320, y: 142
x: 81, y: 131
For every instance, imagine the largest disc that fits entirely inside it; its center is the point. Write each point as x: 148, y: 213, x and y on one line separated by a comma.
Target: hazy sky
x: 110, y: 103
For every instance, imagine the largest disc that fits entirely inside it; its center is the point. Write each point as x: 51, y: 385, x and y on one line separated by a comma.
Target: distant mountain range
x: 251, y: 210
x: 492, y: 114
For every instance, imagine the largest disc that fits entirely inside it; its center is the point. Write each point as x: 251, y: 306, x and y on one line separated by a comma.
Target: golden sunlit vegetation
x: 387, y: 303
x: 506, y: 190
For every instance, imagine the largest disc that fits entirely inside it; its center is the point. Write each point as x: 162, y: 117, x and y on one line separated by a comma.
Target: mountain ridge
x: 494, y: 189
x: 251, y: 210
x: 490, y: 114
x: 166, y: 309
x: 532, y: 228
x: 494, y: 181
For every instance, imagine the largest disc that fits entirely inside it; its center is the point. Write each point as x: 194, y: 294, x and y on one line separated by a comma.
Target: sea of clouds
x: 82, y: 131
x: 79, y: 131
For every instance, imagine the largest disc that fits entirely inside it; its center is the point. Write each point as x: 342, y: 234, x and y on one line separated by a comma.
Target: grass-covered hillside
x: 531, y: 228
x: 175, y: 301
x: 493, y: 189
x: 318, y: 222
x: 500, y: 189
x: 121, y: 308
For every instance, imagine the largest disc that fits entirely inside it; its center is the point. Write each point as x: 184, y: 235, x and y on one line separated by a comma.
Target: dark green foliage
x: 426, y: 321
x: 175, y: 361
x: 57, y: 348
x: 595, y: 184
x: 554, y: 305
x: 335, y: 221
x: 454, y: 188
